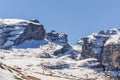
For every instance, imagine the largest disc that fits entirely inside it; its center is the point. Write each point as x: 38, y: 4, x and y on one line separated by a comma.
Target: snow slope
x: 29, y: 64
x: 6, y: 75
x: 15, y: 22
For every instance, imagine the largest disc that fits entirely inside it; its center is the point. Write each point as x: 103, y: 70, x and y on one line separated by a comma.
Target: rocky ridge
x: 16, y: 31
x: 103, y: 46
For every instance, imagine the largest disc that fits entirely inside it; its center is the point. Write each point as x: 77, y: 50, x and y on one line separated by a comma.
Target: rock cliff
x: 16, y: 31
x: 103, y: 46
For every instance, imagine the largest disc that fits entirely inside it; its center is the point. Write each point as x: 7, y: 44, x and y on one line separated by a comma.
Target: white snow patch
x: 6, y: 75
x: 8, y: 43
x: 15, y: 22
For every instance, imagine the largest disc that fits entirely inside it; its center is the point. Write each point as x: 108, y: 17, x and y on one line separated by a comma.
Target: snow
x: 31, y: 44
x: 91, y: 37
x: 86, y: 62
x: 77, y: 47
x: 13, y: 38
x: 114, y: 39
x: 43, y: 77
x: 6, y: 75
x: 16, y: 32
x: 30, y: 65
x: 15, y: 22
x: 11, y: 21
x: 113, y: 36
x: 113, y: 73
x: 24, y: 56
x: 8, y: 43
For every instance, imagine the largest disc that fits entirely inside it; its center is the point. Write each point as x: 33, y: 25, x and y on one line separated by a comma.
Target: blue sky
x: 77, y: 18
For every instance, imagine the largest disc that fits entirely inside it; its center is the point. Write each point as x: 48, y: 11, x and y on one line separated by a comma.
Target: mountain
x: 16, y: 31
x: 28, y: 52
x: 104, y: 46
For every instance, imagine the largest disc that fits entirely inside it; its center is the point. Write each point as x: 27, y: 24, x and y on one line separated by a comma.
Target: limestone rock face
x: 92, y: 46
x: 32, y: 31
x: 111, y: 57
x: 104, y: 46
x: 16, y: 31
x: 59, y: 38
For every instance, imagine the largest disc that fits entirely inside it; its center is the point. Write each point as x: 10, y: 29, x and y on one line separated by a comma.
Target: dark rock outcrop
x: 58, y: 38
x: 35, y: 20
x: 111, y: 57
x: 103, y: 46
x: 32, y: 31
x: 56, y: 65
x: 92, y: 46
x: 43, y: 55
x: 15, y: 31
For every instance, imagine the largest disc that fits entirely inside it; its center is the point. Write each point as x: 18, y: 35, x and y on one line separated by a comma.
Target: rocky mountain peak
x: 113, y: 31
x: 16, y: 31
x: 59, y: 38
x: 103, y: 46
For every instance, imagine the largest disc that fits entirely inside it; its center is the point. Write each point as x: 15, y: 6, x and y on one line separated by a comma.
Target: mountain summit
x: 103, y: 46
x: 16, y: 31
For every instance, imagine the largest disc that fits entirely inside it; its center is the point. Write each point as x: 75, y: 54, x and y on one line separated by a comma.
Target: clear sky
x: 77, y: 18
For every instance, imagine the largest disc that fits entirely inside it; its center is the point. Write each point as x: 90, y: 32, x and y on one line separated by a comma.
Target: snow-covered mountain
x: 28, y: 52
x: 16, y: 31
x: 104, y: 46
